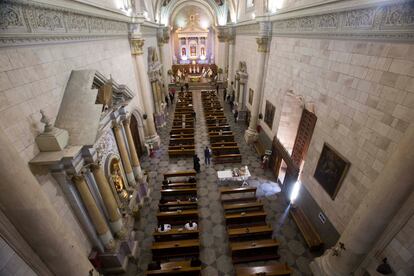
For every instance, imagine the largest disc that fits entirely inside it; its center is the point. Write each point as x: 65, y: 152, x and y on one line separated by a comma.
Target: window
x: 269, y: 114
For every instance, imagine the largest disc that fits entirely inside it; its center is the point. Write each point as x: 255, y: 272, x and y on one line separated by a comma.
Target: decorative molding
x: 262, y: 44
x: 248, y: 29
x: 387, y: 22
x: 137, y: 45
x: 27, y: 23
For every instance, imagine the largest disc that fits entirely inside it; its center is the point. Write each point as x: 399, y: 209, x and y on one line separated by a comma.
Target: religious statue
x: 118, y: 180
x: 179, y: 74
x: 243, y: 67
x: 183, y: 52
x: 46, y: 120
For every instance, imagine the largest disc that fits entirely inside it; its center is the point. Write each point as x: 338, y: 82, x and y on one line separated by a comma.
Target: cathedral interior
x: 207, y: 137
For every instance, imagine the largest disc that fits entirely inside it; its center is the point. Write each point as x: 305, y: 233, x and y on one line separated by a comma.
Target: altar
x: 234, y: 175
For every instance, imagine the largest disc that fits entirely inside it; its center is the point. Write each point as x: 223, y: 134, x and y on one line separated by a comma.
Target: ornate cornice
x: 392, y: 21
x: 262, y: 44
x: 23, y: 23
x: 137, y: 45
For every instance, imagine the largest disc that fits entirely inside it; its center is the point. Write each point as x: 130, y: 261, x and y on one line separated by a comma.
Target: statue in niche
x: 118, y: 180
x: 183, y: 52
x: 152, y: 55
x: 243, y: 67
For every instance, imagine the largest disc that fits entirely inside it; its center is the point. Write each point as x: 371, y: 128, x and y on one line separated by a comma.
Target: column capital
x: 116, y: 125
x: 126, y: 121
x: 137, y: 45
x: 262, y: 44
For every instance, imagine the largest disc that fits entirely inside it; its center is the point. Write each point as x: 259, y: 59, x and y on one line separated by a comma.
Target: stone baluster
x: 136, y: 165
x: 115, y: 219
x: 137, y: 44
x: 391, y: 189
x: 96, y: 216
x: 120, y: 141
x: 251, y: 134
x: 31, y: 212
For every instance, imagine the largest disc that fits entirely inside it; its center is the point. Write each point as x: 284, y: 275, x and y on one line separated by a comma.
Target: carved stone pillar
x: 137, y: 44
x: 221, y: 53
x: 120, y: 141
x: 136, y: 165
x: 115, y: 219
x: 30, y: 211
x: 155, y: 96
x: 97, y: 218
x: 251, y: 134
x: 391, y: 189
x: 231, y: 42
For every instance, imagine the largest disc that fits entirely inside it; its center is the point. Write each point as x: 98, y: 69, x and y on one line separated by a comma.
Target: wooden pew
x: 181, y: 136
x: 224, y: 144
x: 181, y: 141
x: 241, y: 190
x: 225, y: 150
x: 176, y: 234
x: 312, y: 238
x: 179, y: 268
x: 179, y: 174
x: 181, y: 152
x: 218, y: 128
x: 227, y: 158
x: 181, y: 147
x: 251, y: 251
x: 173, y: 249
x: 174, y: 185
x: 221, y: 138
x: 182, y: 130
x: 222, y: 133
x: 250, y: 233
x: 179, y: 217
x: 243, y: 207
x: 178, y: 193
x: 177, y: 205
x: 245, y: 219
x: 267, y: 270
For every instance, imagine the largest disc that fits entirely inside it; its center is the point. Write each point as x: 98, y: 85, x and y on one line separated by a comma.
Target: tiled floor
x: 214, y: 252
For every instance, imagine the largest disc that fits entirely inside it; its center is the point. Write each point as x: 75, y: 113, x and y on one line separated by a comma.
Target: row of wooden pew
x: 250, y: 237
x: 182, y: 132
x: 223, y: 145
x: 176, y: 251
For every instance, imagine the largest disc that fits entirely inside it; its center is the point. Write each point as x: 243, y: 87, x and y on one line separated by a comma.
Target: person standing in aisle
x: 207, y: 155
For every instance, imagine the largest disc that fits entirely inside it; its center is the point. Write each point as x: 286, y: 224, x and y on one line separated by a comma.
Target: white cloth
x: 188, y: 227
x: 167, y: 227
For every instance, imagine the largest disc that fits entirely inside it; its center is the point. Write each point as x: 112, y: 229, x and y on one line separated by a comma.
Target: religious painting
x: 193, y: 50
x: 331, y: 170
x: 183, y: 52
x: 269, y: 114
x: 203, y: 52
x: 251, y: 93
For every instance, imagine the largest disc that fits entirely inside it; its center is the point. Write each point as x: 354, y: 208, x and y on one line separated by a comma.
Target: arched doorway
x: 135, y: 136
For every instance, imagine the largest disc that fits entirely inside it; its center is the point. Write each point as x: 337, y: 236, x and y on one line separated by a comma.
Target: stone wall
x: 363, y: 94
x: 10, y: 263
x: 34, y: 78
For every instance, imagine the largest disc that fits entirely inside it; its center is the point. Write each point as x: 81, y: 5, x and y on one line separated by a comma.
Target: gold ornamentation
x: 262, y: 44
x: 118, y: 180
x: 136, y: 46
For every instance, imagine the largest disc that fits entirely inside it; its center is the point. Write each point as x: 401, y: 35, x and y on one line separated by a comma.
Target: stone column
x: 96, y: 216
x: 231, y: 43
x: 136, y: 165
x: 226, y: 59
x: 124, y: 154
x: 390, y: 190
x: 29, y: 209
x: 251, y: 134
x: 115, y: 219
x: 243, y: 89
x: 137, y: 44
x: 221, y: 57
x: 155, y: 96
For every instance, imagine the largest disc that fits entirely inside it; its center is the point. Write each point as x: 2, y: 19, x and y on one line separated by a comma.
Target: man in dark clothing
x: 171, y: 98
x: 182, y: 88
x: 207, y: 155
x: 166, y: 100
x: 186, y: 86
x: 228, y: 98
x: 224, y: 94
x: 193, y: 114
x: 196, y: 163
x: 217, y: 88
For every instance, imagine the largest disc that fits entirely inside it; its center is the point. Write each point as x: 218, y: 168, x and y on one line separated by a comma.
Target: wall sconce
x: 260, y: 116
x: 384, y: 268
x: 336, y: 251
x: 145, y: 116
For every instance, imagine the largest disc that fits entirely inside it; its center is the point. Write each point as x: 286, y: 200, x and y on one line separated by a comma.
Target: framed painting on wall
x: 251, y: 93
x: 331, y: 170
x: 269, y: 114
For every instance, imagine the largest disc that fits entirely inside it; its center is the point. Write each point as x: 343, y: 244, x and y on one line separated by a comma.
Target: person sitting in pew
x: 190, y: 225
x: 154, y: 265
x: 192, y: 180
x: 165, y: 182
x: 164, y: 228
x: 195, y: 262
x: 192, y: 199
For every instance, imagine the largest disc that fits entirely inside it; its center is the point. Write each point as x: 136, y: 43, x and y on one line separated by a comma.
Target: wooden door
x: 303, y: 136
x: 135, y: 136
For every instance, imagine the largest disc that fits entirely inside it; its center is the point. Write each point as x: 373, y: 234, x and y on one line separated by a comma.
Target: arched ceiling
x: 191, y: 15
x: 167, y: 12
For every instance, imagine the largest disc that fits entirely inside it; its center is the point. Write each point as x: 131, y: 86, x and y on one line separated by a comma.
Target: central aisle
x: 214, y: 250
